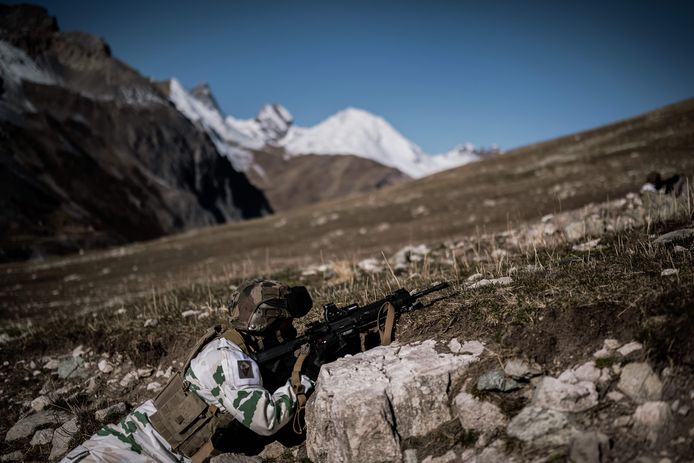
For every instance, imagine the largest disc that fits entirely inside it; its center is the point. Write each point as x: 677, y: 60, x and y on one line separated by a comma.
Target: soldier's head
x: 266, y: 307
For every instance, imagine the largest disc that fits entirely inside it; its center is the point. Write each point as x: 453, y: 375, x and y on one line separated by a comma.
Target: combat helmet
x: 259, y: 304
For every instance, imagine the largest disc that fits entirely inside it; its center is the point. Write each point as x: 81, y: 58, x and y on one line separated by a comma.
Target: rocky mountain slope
x: 93, y: 153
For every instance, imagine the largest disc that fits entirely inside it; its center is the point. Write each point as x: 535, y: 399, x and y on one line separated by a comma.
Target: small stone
x: 474, y: 277
x: 539, y: 427
x: 522, y: 369
x: 603, y: 354
x: 108, y: 412
x: 273, y: 451
x: 615, y: 396
x: 640, y: 383
x: 235, y: 458
x: 611, y: 344
x: 13, y: 456
x: 62, y: 438
x: 129, y: 379
x: 651, y: 420
x: 52, y: 364
x: 144, y: 372
x: 91, y: 385
x: 151, y: 322
x: 454, y: 345
x: 78, y: 351
x: 448, y: 457
x: 557, y: 395
x: 40, y: 403
x: 42, y: 437
x: 478, y: 415
x: 677, y: 236
x: 630, y: 348
x: 503, y: 281
x: 496, y: 380
x: 471, y: 348
x: 72, y: 368
x: 105, y: 366
x: 588, y: 372
x: 684, y: 410
x: 29, y: 424
x: 587, y: 246
x: 120, y: 311
x: 679, y: 248
x: 675, y: 405
x: 589, y: 447
x: 154, y: 386
x: 669, y: 272
x: 189, y: 313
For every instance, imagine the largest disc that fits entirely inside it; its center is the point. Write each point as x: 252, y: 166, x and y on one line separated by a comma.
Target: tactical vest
x: 185, y: 420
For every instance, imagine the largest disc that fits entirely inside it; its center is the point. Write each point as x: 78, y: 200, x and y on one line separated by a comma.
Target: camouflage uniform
x: 222, y: 375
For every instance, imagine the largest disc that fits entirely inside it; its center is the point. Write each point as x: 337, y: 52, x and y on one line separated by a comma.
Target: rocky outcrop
x: 94, y: 153
x: 365, y: 406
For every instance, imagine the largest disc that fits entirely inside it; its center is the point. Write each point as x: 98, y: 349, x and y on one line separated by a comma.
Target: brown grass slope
x: 490, y: 195
x: 302, y: 180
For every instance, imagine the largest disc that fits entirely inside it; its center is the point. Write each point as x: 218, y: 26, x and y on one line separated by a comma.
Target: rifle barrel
x: 433, y: 289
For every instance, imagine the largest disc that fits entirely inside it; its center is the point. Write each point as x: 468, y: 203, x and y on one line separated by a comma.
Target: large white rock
x: 640, y: 383
x: 565, y: 397
x: 62, y: 437
x: 365, y: 405
x: 26, y: 426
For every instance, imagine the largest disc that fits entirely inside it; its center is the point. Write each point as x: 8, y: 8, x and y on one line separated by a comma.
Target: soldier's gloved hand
x: 308, y: 384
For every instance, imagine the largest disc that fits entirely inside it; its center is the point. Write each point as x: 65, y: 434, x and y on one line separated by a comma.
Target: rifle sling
x: 386, y: 333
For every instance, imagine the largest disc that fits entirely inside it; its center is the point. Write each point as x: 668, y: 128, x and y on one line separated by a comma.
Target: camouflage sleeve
x: 243, y: 395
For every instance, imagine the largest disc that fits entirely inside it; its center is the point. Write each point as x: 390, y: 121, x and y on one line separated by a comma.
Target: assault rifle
x: 339, y: 333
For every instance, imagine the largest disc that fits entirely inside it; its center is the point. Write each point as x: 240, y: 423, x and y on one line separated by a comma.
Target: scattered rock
x: 522, y: 369
x: 557, y: 395
x: 622, y: 421
x: 370, y: 265
x: 108, y: 412
x: 129, y: 379
x: 387, y: 394
x: 151, y: 322
x: 474, y: 277
x: 72, y: 368
x: 448, y: 457
x: 235, y: 458
x: 154, y: 386
x: 144, y: 372
x: 588, y: 372
x: 496, y: 380
x: 541, y: 427
x: 630, y: 348
x: 13, y: 456
x: 503, y: 281
x: 587, y: 246
x: 469, y: 347
x: 78, y: 351
x: 272, y: 451
x: 669, y: 272
x: 652, y: 419
x: 678, y: 236
x: 91, y: 385
x: 62, y: 439
x: 478, y: 415
x: 105, y: 366
x: 615, y: 396
x: 42, y: 437
x: 589, y: 447
x: 409, y: 254
x: 189, y: 313
x: 29, y: 424
x: 640, y: 383
x: 52, y: 364
x: 679, y: 248
x: 40, y: 403
x: 611, y: 344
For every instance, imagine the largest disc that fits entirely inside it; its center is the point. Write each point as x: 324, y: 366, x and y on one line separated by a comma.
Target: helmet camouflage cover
x: 260, y: 303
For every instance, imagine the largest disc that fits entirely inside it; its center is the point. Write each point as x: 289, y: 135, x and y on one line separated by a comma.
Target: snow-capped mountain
x: 351, y: 131
x: 202, y: 109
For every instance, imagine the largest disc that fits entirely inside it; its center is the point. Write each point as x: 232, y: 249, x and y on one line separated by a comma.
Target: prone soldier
x: 219, y: 395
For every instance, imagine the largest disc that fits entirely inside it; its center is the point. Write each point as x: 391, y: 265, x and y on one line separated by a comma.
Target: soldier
x: 219, y: 394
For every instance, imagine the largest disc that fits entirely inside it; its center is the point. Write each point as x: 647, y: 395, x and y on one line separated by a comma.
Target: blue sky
x: 441, y: 72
